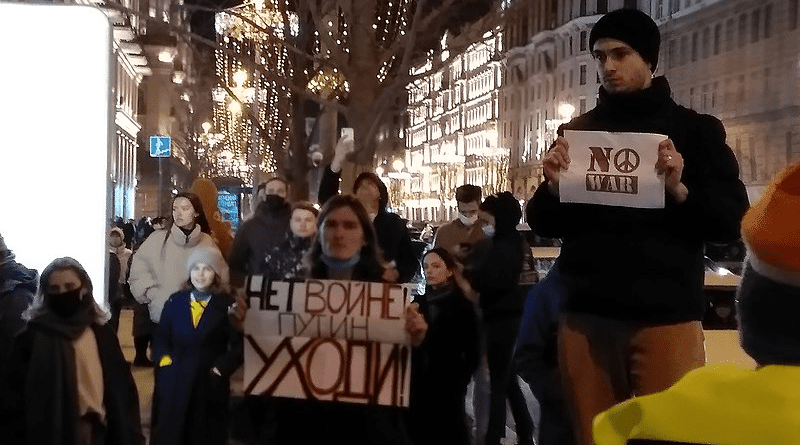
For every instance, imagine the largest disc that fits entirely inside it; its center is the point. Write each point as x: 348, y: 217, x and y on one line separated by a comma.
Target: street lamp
x: 566, y: 110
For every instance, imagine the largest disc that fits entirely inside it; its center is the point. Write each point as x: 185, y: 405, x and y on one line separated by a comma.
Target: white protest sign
x: 616, y: 169
x: 329, y: 340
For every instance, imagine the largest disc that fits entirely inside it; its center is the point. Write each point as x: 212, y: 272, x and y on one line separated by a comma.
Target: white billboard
x: 55, y: 124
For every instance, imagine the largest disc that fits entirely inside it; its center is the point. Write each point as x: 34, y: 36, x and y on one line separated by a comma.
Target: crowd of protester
x: 609, y: 341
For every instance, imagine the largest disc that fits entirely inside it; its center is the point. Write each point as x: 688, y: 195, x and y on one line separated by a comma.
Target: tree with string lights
x: 351, y: 56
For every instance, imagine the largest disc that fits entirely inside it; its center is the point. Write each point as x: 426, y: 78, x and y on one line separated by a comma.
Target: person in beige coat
x: 159, y: 266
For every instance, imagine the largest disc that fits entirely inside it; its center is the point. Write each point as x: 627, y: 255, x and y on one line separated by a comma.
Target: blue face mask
x: 488, y: 230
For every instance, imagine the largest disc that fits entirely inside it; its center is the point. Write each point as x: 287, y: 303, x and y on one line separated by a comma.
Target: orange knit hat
x: 771, y: 229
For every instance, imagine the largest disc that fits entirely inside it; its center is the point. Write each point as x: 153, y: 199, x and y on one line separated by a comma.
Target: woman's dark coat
x: 442, y: 367
x: 55, y: 419
x: 190, y: 403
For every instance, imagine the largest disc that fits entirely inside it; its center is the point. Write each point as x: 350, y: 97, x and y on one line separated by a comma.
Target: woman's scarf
x: 51, y: 401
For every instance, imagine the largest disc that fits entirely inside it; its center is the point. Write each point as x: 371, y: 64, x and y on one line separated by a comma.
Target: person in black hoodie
x: 393, y: 238
x: 17, y: 288
x: 634, y: 276
x: 495, y: 267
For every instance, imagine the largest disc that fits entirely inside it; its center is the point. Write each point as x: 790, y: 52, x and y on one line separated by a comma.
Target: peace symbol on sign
x: 626, y: 160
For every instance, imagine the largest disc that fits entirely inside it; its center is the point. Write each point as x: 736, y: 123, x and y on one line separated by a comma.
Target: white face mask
x: 488, y: 230
x: 467, y: 220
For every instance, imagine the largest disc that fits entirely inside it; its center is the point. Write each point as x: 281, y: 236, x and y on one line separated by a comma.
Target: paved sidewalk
x: 142, y: 376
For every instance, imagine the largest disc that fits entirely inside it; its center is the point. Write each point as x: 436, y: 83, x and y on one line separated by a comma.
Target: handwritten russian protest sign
x: 341, y: 341
x: 616, y: 169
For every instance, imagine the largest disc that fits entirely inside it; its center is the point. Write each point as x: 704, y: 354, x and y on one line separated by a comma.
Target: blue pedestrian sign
x: 160, y: 146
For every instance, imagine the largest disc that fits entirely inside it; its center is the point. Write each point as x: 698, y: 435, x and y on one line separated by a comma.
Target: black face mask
x: 64, y: 305
x: 274, y: 202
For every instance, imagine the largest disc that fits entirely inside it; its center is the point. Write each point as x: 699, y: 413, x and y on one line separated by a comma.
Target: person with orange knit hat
x: 727, y: 404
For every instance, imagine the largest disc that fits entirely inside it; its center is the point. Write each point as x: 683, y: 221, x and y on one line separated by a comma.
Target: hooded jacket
x: 255, y: 239
x: 17, y: 288
x: 159, y: 270
x: 496, y: 263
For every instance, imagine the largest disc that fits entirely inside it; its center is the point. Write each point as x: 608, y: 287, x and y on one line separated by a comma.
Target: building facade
x: 164, y: 105
x: 740, y: 61
x: 452, y: 130
x: 735, y: 59
x: 131, y: 66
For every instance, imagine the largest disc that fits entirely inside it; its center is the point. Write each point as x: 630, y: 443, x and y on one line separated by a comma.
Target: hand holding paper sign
x: 415, y: 324
x: 555, y: 160
x: 670, y: 164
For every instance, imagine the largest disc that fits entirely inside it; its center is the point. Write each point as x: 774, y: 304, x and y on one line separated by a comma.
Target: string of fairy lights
x: 252, y: 108
x: 255, y: 64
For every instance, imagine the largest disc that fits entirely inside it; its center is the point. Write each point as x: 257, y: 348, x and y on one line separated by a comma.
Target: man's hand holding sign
x: 607, y: 169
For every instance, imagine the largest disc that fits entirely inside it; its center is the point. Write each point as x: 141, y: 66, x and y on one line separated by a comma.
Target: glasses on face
x: 616, y: 54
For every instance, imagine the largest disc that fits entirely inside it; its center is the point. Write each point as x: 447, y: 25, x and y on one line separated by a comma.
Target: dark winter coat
x: 56, y: 414
x: 392, y: 233
x: 190, y: 403
x: 496, y: 264
x: 646, y: 264
x: 286, y: 260
x: 536, y: 356
x: 255, y: 238
x: 442, y: 367
x: 17, y: 288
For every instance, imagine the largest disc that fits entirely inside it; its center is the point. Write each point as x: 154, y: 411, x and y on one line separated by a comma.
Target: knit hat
x: 768, y: 298
x: 633, y: 27
x: 211, y: 257
x: 118, y: 231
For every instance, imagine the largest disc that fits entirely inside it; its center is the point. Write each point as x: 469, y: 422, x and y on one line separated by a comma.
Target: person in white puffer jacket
x: 159, y: 265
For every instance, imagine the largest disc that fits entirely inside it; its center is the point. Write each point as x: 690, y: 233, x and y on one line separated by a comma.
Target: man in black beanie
x: 633, y: 276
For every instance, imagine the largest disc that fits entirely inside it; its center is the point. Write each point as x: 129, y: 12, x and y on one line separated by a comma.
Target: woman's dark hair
x: 38, y: 305
x: 446, y: 257
x: 383, y: 192
x: 371, y: 253
x: 201, y: 219
x: 506, y: 211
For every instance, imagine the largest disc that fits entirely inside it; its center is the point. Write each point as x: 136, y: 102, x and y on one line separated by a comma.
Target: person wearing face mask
x: 459, y: 235
x: 401, y: 262
x: 494, y: 272
x: 157, y: 270
x: 67, y: 381
x: 260, y: 234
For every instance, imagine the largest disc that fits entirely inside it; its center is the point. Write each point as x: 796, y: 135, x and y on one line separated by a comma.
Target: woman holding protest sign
x: 196, y: 350
x: 346, y: 249
x: 445, y: 361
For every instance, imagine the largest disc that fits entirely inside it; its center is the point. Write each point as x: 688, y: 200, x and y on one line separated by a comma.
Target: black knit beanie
x: 633, y: 27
